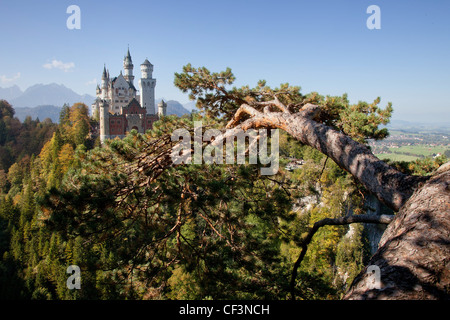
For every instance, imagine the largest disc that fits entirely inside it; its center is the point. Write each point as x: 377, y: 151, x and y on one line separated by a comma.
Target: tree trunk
x: 389, y: 185
x: 414, y: 253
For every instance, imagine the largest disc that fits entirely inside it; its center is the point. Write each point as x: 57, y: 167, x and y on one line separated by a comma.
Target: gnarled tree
x: 413, y: 255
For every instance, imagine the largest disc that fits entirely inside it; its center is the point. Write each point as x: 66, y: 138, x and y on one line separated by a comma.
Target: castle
x: 118, y: 106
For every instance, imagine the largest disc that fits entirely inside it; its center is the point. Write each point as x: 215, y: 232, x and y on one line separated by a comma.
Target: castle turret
x: 104, y: 120
x: 147, y: 87
x: 104, y: 88
x: 146, y: 69
x: 128, y: 68
x: 162, y: 108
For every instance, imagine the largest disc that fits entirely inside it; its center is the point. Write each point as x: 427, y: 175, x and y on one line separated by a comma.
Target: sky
x: 323, y: 46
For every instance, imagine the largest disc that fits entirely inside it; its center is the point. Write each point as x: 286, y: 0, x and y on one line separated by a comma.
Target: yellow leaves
x: 79, y: 123
x: 46, y: 152
x: 15, y: 174
x: 183, y: 285
x: 66, y: 157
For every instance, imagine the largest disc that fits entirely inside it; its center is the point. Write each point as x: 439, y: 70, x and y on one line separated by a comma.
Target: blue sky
x: 322, y: 46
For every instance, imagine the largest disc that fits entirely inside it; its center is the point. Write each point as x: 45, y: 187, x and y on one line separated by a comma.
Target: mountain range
x: 43, y: 94
x: 45, y: 101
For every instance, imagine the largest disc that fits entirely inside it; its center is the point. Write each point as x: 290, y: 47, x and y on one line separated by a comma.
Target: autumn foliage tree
x: 17, y: 139
x: 33, y: 260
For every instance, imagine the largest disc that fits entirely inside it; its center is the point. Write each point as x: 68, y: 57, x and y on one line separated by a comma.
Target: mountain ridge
x: 46, y: 100
x: 10, y: 92
x: 48, y: 94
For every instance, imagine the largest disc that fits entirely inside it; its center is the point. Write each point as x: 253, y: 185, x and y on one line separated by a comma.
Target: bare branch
x: 243, y: 110
x: 275, y: 102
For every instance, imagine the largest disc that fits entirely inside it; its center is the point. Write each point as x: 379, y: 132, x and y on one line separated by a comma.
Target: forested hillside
x: 20, y: 140
x: 140, y: 228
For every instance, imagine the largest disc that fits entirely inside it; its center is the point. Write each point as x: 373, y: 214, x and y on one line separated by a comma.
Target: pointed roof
x: 127, y: 58
x: 146, y: 63
x: 104, y: 76
x: 130, y: 85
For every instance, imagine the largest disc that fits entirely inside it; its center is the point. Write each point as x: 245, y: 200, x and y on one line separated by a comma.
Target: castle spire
x: 127, y: 60
x: 128, y: 54
x: 104, y: 75
x: 128, y: 67
x: 104, y: 87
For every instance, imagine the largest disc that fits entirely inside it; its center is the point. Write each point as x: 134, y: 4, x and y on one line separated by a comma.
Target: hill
x: 174, y: 107
x: 41, y: 112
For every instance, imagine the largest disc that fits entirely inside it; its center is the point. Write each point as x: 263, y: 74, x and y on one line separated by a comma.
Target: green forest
x: 141, y: 229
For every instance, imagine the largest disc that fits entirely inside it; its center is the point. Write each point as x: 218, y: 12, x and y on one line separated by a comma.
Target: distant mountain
x: 41, y: 112
x: 48, y: 94
x: 50, y: 111
x: 190, y: 105
x: 10, y: 93
x: 174, y: 107
x: 46, y: 100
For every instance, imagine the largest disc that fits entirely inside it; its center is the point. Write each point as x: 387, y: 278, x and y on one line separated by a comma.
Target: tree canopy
x: 360, y: 121
x: 140, y: 226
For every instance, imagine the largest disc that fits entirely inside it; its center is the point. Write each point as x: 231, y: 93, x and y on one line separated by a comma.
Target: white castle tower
x: 104, y: 120
x: 162, y: 108
x: 147, y: 87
